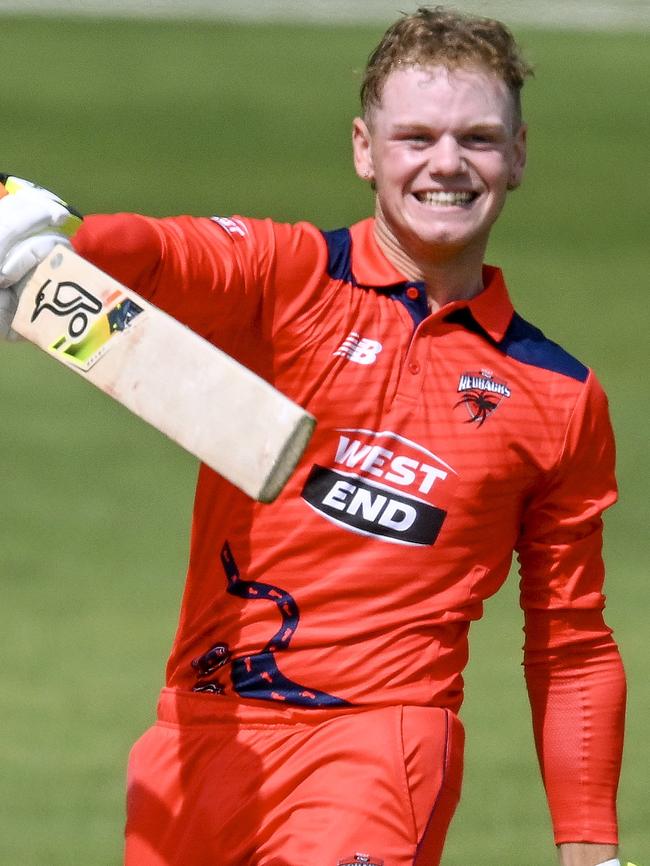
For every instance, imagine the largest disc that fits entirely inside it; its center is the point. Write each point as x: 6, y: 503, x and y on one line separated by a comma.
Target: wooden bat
x: 224, y: 414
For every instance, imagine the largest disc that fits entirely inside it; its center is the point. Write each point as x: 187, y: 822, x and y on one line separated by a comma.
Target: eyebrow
x: 417, y: 126
x: 496, y: 128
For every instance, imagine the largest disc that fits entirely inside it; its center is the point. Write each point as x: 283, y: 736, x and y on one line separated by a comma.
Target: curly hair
x: 440, y: 35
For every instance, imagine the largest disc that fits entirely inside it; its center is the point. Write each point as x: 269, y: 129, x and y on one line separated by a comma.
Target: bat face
x: 231, y: 419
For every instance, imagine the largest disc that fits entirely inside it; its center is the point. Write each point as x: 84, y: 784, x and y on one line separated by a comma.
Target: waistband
x: 195, y: 708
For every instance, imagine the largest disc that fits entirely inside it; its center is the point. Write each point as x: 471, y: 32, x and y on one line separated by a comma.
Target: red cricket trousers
x: 214, y: 783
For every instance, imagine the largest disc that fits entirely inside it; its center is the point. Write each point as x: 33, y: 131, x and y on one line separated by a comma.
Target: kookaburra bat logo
x: 67, y: 299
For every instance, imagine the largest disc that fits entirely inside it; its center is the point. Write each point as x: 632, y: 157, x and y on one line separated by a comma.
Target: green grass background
x: 94, y: 507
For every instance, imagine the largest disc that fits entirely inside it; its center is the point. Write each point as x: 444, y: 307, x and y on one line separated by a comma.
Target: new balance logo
x: 359, y: 349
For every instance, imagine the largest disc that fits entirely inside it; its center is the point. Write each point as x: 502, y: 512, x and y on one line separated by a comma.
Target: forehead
x: 435, y: 94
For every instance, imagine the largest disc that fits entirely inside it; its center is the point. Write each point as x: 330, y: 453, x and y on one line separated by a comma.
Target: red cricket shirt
x: 444, y: 442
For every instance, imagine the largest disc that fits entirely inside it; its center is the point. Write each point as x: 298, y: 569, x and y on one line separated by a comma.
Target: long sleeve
x: 217, y: 275
x: 574, y: 674
x: 190, y: 267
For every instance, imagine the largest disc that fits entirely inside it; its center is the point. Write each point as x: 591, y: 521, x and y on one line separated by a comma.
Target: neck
x: 448, y: 274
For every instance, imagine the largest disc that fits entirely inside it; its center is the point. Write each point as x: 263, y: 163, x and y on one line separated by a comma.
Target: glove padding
x: 32, y: 221
x: 18, y: 266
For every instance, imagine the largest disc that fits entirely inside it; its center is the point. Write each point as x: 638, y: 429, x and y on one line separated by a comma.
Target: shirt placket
x: 414, y: 366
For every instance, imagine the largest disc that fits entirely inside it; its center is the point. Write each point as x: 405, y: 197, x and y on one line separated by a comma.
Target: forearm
x: 578, y: 702
x: 585, y: 853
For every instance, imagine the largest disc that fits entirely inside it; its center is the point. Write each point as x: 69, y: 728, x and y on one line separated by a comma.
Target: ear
x: 519, y: 157
x: 362, y: 149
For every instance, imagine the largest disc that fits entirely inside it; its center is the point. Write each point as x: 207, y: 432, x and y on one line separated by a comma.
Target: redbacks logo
x: 383, y: 485
x: 482, y: 393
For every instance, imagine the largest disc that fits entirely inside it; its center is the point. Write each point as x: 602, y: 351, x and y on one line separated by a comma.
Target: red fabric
x: 287, y: 787
x: 319, y: 606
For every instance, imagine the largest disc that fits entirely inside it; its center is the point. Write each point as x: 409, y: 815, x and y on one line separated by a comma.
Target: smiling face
x: 443, y: 147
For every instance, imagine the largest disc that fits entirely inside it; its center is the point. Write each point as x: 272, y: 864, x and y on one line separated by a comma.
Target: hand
x: 8, y: 307
x: 32, y: 221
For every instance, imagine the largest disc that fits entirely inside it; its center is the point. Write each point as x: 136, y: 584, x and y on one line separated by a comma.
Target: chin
x: 440, y: 237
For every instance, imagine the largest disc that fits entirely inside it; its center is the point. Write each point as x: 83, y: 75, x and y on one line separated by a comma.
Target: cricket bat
x: 218, y: 410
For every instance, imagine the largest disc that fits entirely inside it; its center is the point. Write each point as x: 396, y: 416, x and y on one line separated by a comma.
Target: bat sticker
x: 89, y: 329
x: 67, y: 299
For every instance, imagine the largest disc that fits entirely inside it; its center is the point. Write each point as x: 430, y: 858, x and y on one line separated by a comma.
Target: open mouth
x: 439, y: 198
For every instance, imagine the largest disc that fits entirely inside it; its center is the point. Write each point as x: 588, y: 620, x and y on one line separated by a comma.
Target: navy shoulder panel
x: 339, y: 245
x: 526, y: 343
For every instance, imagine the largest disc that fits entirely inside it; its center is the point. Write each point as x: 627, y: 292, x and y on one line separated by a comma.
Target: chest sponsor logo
x: 359, y: 349
x: 382, y: 485
x: 482, y: 394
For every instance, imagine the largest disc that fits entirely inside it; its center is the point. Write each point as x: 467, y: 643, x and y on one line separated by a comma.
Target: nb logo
x: 359, y: 349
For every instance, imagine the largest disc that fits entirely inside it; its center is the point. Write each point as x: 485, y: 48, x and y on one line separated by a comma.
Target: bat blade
x: 218, y: 410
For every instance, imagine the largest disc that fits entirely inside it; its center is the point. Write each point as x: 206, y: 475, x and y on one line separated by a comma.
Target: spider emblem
x: 479, y: 404
x: 482, y: 393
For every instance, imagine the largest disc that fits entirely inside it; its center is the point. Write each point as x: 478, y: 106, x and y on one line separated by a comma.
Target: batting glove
x: 32, y: 221
x: 614, y: 862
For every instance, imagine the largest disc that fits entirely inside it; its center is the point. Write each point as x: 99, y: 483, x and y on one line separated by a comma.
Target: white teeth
x: 446, y: 198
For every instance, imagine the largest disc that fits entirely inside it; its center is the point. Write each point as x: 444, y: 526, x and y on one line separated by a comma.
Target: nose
x: 446, y: 157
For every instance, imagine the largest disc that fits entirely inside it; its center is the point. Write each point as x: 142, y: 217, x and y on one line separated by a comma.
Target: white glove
x: 614, y: 862
x: 32, y: 221
x: 8, y: 307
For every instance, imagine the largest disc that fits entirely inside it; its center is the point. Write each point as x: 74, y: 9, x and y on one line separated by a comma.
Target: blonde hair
x: 438, y: 35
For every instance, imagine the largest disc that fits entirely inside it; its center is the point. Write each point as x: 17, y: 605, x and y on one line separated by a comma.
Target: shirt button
x: 414, y: 367
x: 412, y: 293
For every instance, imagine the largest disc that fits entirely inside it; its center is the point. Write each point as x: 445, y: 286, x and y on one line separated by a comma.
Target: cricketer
x: 310, y: 715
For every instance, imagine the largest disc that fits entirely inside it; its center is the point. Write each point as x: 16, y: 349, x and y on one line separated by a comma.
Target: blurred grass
x: 94, y: 513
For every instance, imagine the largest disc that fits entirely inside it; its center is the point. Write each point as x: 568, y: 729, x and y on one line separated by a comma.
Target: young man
x: 310, y: 712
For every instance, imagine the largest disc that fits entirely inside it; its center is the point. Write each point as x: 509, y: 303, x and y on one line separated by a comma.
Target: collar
x: 491, y: 308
